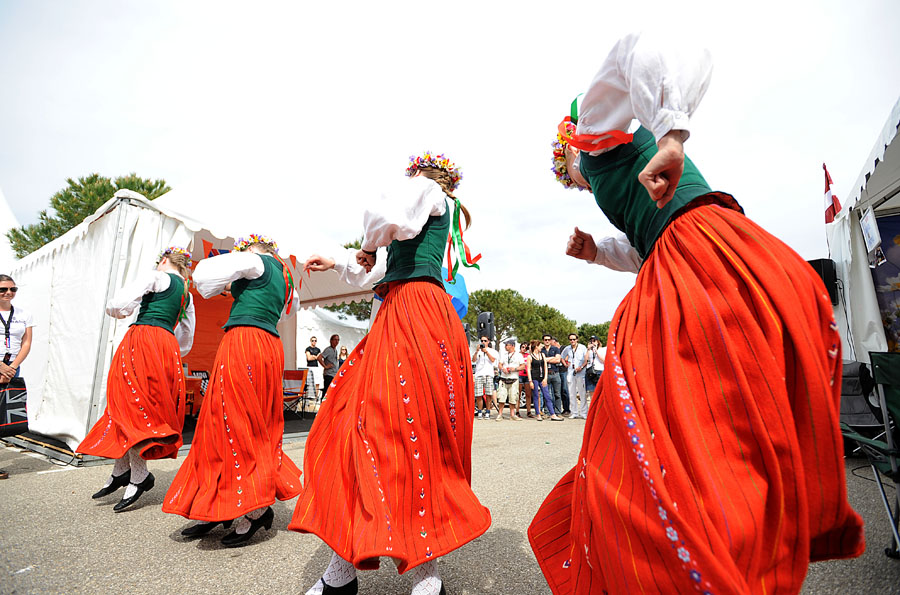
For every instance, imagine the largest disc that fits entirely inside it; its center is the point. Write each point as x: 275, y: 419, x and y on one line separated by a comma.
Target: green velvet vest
x: 613, y: 177
x: 420, y: 256
x: 161, y: 309
x: 259, y: 302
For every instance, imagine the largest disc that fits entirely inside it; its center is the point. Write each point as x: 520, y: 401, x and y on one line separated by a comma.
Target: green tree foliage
x: 586, y: 330
x: 359, y: 310
x: 75, y: 202
x: 515, y: 315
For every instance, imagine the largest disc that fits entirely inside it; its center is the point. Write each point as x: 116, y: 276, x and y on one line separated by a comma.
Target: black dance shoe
x: 119, y: 481
x: 235, y: 539
x: 351, y: 588
x: 142, y: 487
x: 201, y: 529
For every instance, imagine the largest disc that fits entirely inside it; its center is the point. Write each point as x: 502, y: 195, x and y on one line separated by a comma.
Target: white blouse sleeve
x: 401, y: 214
x: 128, y: 298
x: 295, y: 305
x: 350, y: 272
x: 212, y: 275
x: 657, y: 78
x: 618, y: 254
x: 184, y: 330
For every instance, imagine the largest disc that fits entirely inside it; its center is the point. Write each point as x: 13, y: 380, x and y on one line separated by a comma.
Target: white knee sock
x: 121, y: 466
x: 138, y: 471
x: 339, y: 573
x: 426, y: 579
x: 243, y: 524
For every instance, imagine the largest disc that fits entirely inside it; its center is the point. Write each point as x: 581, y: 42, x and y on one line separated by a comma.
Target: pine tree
x: 75, y: 202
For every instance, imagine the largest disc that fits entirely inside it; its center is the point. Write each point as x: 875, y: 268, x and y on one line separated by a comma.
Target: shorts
x: 484, y: 385
x: 508, y: 393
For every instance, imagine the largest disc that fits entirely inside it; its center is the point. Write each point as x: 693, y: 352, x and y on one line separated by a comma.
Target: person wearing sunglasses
x: 15, y: 324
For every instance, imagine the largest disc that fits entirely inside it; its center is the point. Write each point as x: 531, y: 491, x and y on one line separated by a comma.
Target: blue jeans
x: 591, y: 385
x: 555, y: 385
x: 537, y: 390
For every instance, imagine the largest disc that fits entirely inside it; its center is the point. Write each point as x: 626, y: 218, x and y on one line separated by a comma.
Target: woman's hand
x: 661, y: 175
x: 317, y: 262
x: 544, y: 382
x: 581, y: 245
x: 365, y: 260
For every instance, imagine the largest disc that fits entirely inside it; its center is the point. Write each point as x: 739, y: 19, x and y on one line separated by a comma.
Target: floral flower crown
x: 242, y: 244
x: 559, y: 168
x: 174, y: 250
x: 439, y: 161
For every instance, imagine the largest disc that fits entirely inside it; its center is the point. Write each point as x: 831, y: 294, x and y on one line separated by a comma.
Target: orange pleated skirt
x: 236, y: 464
x: 144, y: 398
x: 712, y: 461
x: 388, y: 460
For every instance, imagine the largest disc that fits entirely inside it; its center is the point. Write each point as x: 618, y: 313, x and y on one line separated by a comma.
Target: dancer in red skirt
x: 236, y: 468
x: 145, y: 385
x: 388, y: 460
x: 712, y: 459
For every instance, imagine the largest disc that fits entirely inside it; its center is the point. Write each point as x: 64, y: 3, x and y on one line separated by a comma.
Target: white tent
x: 878, y: 187
x: 7, y: 222
x: 67, y: 282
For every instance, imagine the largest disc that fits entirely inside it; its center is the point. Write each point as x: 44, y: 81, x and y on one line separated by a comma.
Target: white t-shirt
x: 513, y: 360
x: 483, y: 365
x: 597, y: 358
x: 576, y: 359
x: 21, y: 320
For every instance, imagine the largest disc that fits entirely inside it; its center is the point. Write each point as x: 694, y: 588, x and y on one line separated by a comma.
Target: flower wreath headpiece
x: 566, y: 135
x: 559, y: 156
x: 173, y: 250
x: 439, y: 161
x: 242, y: 244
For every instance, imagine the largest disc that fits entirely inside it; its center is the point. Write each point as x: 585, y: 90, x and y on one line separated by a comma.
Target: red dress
x: 712, y: 460
x: 144, y: 398
x: 388, y: 459
x: 236, y: 464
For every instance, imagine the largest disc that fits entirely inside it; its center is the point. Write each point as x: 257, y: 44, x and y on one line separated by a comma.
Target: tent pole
x: 99, y: 361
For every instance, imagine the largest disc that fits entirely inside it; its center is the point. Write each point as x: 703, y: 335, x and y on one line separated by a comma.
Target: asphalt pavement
x: 55, y: 539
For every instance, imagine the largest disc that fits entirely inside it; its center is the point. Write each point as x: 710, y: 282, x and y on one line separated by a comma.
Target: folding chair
x: 884, y: 454
x: 193, y: 395
x: 293, y: 388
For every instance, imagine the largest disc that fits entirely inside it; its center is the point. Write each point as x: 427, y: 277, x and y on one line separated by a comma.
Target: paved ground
x: 55, y: 539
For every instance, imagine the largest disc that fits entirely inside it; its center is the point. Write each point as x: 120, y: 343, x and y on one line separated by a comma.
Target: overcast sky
x: 303, y: 111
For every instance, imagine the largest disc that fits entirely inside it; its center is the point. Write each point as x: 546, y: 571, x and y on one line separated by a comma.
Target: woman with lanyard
x: 242, y: 409
x: 388, y: 460
x: 16, y: 325
x: 712, y: 459
x: 145, y: 385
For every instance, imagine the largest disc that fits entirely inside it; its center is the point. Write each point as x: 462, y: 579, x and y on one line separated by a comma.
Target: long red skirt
x: 712, y: 460
x: 236, y: 464
x: 144, y: 398
x: 388, y: 459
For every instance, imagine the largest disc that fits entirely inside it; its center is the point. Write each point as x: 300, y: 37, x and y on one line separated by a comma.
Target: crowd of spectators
x: 542, y: 378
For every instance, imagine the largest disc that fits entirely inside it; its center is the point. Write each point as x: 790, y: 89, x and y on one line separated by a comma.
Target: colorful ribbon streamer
x: 462, y: 250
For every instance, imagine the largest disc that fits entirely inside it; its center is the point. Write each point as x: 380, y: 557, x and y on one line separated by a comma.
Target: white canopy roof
x: 294, y: 236
x: 878, y: 184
